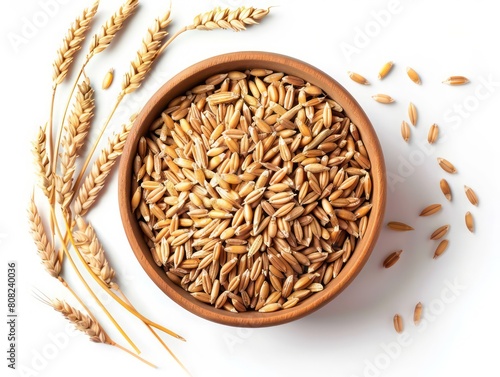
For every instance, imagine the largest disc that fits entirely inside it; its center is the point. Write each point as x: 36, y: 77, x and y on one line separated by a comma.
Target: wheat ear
x: 98, y: 44
x: 111, y: 27
x: 236, y: 19
x: 46, y: 251
x: 94, y: 182
x: 72, y: 43
x: 80, y: 277
x: 82, y: 322
x: 133, y: 79
x: 75, y: 132
x: 146, y: 55
x: 93, y: 252
x: 222, y: 18
x: 126, y: 305
x: 42, y: 163
x: 88, y: 325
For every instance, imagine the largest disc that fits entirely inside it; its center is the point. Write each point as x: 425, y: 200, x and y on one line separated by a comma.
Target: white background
x: 353, y: 335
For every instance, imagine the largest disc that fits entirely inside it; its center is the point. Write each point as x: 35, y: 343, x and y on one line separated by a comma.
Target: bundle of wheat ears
x: 71, y: 185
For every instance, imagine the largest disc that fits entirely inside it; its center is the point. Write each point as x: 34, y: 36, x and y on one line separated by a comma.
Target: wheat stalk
x: 50, y: 258
x: 75, y: 132
x: 72, y: 43
x: 146, y: 55
x: 94, y: 182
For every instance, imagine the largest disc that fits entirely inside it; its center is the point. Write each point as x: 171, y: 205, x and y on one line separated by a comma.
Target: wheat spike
x: 72, y: 43
x: 236, y: 19
x: 146, y: 55
x: 93, y: 251
x: 75, y: 132
x: 94, y: 182
x: 42, y: 163
x: 218, y: 18
x: 45, y: 248
x: 112, y: 26
x: 82, y: 322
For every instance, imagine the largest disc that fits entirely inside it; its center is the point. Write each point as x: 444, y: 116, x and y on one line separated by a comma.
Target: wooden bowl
x: 195, y: 75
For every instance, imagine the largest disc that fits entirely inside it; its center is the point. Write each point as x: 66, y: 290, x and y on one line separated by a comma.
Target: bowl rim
x: 194, y: 75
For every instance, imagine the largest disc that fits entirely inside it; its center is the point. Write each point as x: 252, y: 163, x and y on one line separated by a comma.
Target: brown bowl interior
x: 195, y: 75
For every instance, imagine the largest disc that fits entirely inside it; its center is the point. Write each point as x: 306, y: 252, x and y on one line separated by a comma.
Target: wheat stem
x: 117, y: 288
x: 133, y: 354
x: 50, y: 127
x: 172, y: 38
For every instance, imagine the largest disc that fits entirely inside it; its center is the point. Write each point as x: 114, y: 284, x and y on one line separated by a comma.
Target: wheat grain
x: 417, y: 313
x: 399, y: 226
x: 446, y: 165
x: 445, y: 188
x: 440, y: 249
x: 412, y: 114
x: 440, y: 232
x: 456, y: 80
x: 413, y: 75
x: 471, y: 195
x: 384, y: 71
x: 356, y: 77
x: 469, y: 221
x: 431, y: 209
x: 392, y: 258
x: 433, y: 134
x: 383, y: 98
x: 405, y: 131
x: 398, y: 323
x: 108, y: 79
